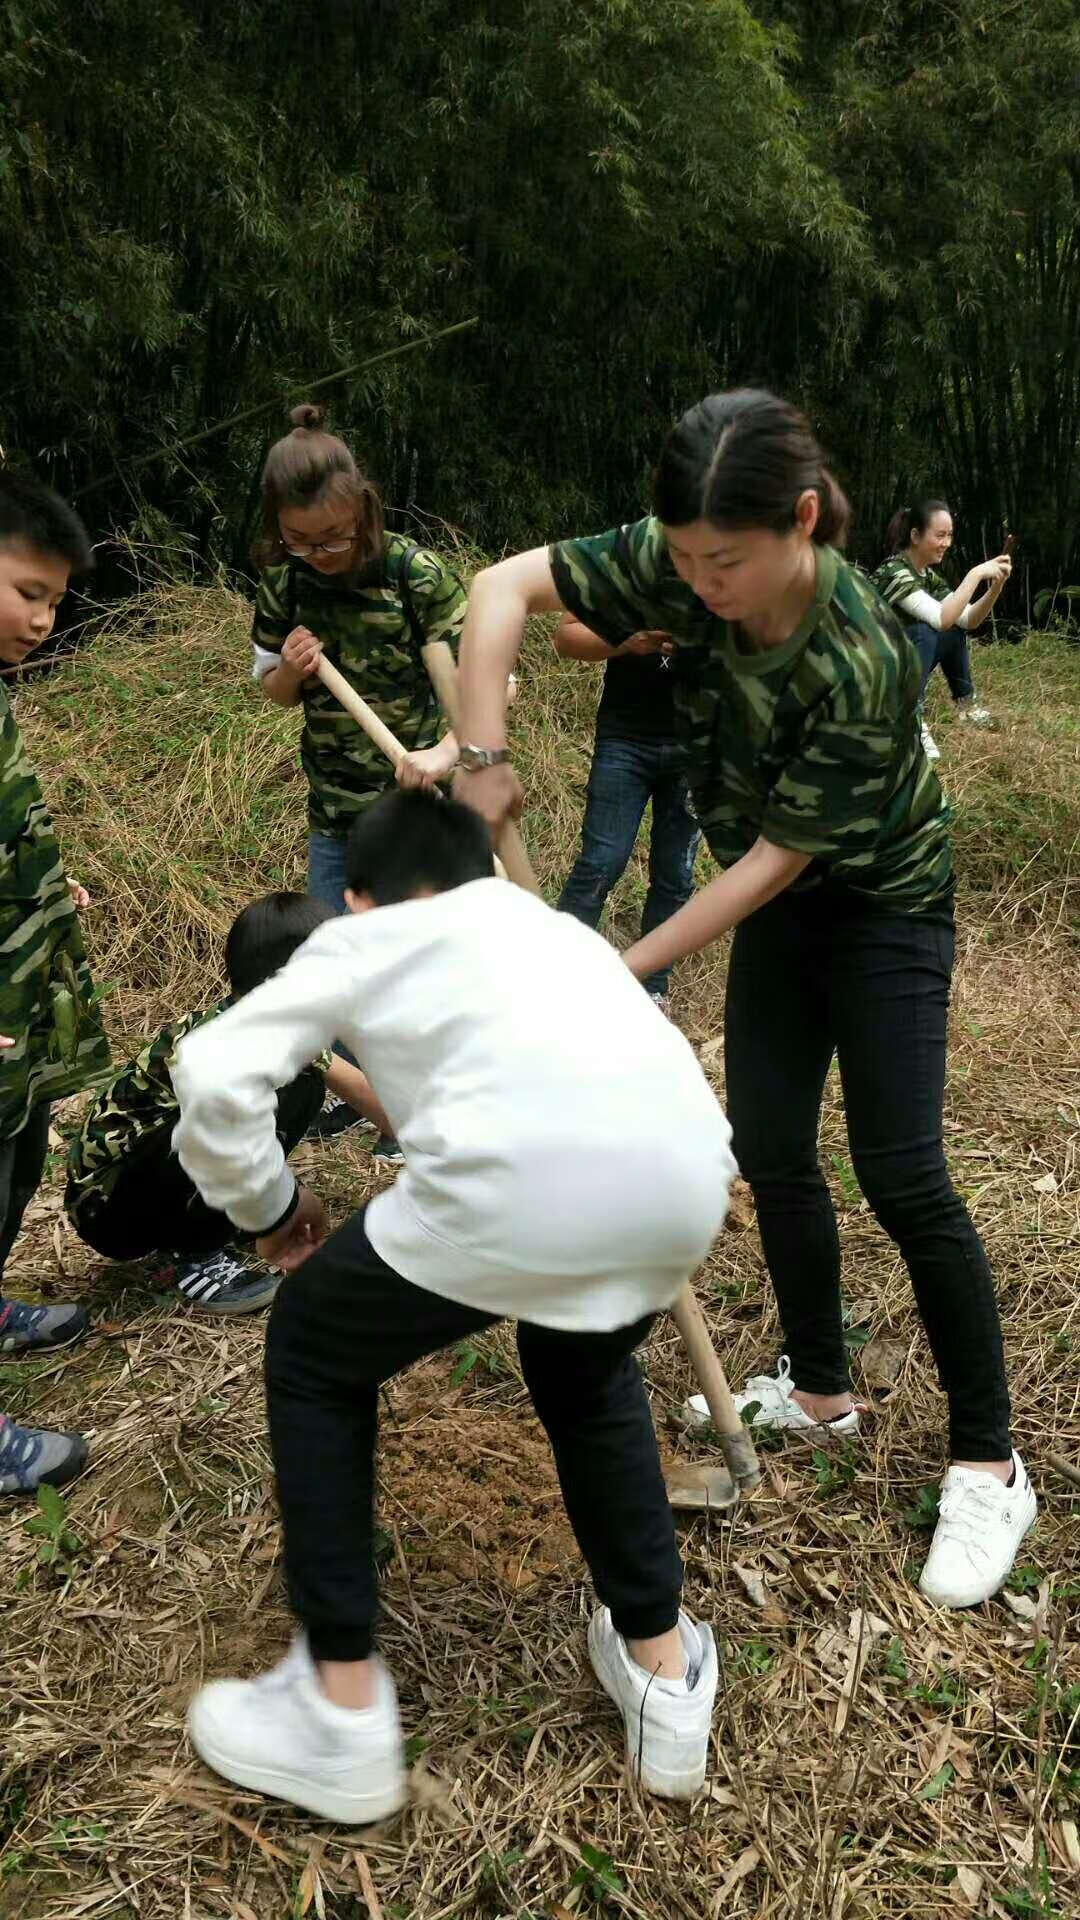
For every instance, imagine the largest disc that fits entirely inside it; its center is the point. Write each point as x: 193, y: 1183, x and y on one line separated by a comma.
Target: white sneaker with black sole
x: 667, y: 1722
x: 225, y: 1282
x: 771, y: 1397
x: 280, y: 1735
x: 981, y: 1525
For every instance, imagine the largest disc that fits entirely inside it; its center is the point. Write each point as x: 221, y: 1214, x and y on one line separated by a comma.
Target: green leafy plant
x: 933, y: 1788
x: 924, y: 1512
x: 58, y: 1545
x: 945, y: 1690
x: 474, y: 1354
x: 845, y: 1174
x: 834, y: 1468
x: 752, y: 1657
x: 895, y: 1664
x: 596, y: 1875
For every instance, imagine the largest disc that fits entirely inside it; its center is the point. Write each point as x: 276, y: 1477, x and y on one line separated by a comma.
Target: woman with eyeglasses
x: 334, y: 582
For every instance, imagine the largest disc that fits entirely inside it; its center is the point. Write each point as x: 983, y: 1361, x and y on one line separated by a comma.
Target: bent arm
x: 575, y: 641
x: 734, y: 895
x: 280, y: 684
x: 226, y: 1077
x: 500, y: 602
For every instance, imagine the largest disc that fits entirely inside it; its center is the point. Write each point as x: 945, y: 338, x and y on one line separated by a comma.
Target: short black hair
x: 30, y: 511
x: 267, y: 934
x: 410, y: 841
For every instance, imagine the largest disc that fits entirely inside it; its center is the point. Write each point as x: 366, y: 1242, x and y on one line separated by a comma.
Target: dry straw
x: 872, y: 1757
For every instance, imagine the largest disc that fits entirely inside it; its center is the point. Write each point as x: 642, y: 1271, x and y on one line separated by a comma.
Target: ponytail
x: 310, y: 465
x: 909, y: 520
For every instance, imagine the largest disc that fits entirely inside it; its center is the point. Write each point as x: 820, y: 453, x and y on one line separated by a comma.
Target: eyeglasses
x: 303, y: 550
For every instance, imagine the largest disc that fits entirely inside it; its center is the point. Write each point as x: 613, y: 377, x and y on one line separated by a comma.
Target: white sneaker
x: 280, y: 1735
x: 771, y: 1397
x: 929, y: 744
x: 667, y: 1722
x: 981, y: 1523
x: 970, y: 710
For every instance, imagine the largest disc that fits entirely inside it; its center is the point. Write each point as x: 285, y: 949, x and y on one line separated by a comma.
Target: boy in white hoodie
x: 567, y: 1165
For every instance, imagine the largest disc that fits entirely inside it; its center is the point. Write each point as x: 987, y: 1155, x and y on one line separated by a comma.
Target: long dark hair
x: 307, y: 465
x: 909, y: 520
x: 742, y: 459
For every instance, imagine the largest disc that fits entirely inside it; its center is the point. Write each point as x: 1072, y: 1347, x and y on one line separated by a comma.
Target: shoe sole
x: 349, y: 1809
x: 697, y: 1422
x: 958, y: 1606
x: 40, y: 1349
x: 251, y: 1303
x: 667, y: 1786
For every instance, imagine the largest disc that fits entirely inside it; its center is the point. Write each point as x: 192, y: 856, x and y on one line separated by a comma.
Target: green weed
x: 58, y: 1545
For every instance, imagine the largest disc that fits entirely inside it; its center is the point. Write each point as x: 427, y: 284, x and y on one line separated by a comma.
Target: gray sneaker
x: 26, y: 1329
x: 32, y: 1457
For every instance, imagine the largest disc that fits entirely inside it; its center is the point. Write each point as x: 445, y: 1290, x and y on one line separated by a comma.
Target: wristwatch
x: 475, y: 759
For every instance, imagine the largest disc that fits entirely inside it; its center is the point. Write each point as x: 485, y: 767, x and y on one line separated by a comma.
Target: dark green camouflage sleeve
x: 271, y: 625
x: 438, y: 597
x: 611, y: 581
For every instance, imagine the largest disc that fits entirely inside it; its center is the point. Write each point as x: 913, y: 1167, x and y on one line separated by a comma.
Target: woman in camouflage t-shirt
x: 797, y: 693
x: 334, y: 582
x: 938, y: 617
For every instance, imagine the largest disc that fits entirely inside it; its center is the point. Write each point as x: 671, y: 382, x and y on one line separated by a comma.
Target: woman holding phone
x: 939, y: 618
x: 797, y: 698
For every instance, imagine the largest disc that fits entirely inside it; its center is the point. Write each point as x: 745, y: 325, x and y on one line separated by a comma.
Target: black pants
x: 154, y: 1207
x: 819, y: 974
x: 22, y: 1161
x: 344, y: 1323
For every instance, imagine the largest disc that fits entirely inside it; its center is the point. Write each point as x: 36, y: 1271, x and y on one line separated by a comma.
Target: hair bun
x: 308, y: 417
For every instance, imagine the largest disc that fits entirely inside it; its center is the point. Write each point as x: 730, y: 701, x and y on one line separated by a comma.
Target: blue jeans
x: 625, y: 775
x: 326, y: 869
x: 326, y: 881
x: 949, y: 651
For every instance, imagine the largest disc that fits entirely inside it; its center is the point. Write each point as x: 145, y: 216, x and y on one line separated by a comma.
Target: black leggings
x: 154, y: 1207
x: 344, y: 1323
x: 819, y: 974
x: 22, y: 1162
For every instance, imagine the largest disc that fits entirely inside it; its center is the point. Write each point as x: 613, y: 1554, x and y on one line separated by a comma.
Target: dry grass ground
x: 871, y: 1758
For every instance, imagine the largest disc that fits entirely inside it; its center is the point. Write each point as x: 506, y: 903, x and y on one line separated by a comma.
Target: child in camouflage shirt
x: 51, y: 1041
x: 127, y: 1194
x: 334, y: 582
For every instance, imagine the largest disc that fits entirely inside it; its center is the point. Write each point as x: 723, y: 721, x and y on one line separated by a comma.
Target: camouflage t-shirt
x: 47, y: 1002
x: 362, y: 621
x: 896, y: 578
x: 133, y: 1115
x: 813, y: 744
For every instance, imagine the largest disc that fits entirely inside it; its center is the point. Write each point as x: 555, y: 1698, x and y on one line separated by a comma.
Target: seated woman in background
x: 938, y: 618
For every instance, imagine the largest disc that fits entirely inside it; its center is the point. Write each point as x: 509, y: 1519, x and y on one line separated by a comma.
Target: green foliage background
x: 872, y: 206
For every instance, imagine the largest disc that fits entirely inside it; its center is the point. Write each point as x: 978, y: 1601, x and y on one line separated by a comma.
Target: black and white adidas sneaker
x: 226, y: 1282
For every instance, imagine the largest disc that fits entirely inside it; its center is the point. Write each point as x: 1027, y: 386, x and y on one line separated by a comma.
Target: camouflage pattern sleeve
x: 614, y: 582
x: 438, y: 597
x: 271, y: 625
x: 895, y: 579
x: 47, y: 1000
